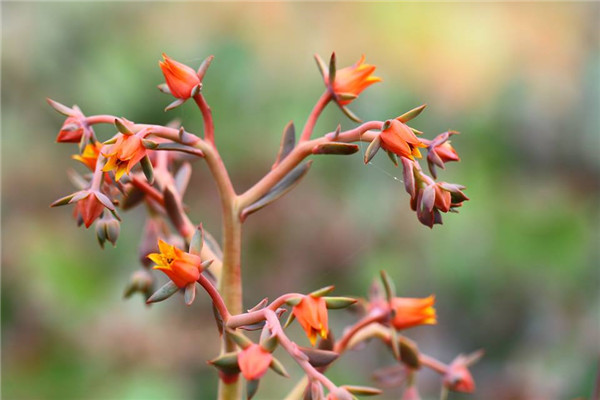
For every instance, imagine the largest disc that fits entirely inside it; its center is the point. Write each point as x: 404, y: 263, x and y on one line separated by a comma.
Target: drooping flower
x: 127, y: 151
x: 254, y: 361
x: 446, y: 152
x: 409, y: 312
x: 457, y: 377
x: 181, y: 79
x: 71, y: 131
x: 181, y: 267
x: 311, y: 313
x: 434, y: 198
x: 89, y: 205
x: 89, y: 156
x: 352, y: 80
x: 399, y: 139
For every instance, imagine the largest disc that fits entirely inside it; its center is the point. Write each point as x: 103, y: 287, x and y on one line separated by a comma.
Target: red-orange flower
x: 446, y: 152
x: 89, y: 205
x: 181, y: 267
x: 180, y: 78
x: 127, y: 151
x: 409, y: 312
x: 90, y: 154
x: 458, y: 377
x: 400, y: 140
x: 254, y: 361
x: 311, y: 313
x: 71, y: 131
x: 353, y: 80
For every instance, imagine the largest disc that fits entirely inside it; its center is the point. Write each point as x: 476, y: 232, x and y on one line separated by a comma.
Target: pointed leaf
x: 182, y: 178
x: 373, y: 148
x: 166, y: 291
x: 190, y: 293
x: 163, y: 87
x: 180, y: 147
x: 335, y: 148
x: 335, y: 303
x: 63, y: 200
x: 61, y: 108
x: 362, y: 390
x: 323, y: 291
x: 337, y: 132
x: 393, y: 158
x: 239, y: 338
x: 319, y: 358
x: 204, y: 66
x: 388, y: 286
x: 395, y: 344
x: 407, y: 116
x: 321, y: 65
x: 174, y: 104
x: 197, y: 241
x: 290, y: 319
x: 409, y: 353
x: 228, y: 363
x: 122, y: 128
x: 293, y: 301
x: 278, y: 367
x: 251, y: 388
x: 346, y: 96
x: 288, y: 142
x: 147, y: 169
x: 350, y: 114
x: 261, y: 304
x: 332, y: 68
x: 149, y: 144
x: 282, y: 187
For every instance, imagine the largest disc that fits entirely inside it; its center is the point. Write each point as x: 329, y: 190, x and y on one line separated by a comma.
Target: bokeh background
x: 515, y: 273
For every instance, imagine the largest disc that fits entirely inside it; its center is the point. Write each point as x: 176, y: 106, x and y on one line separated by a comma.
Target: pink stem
x: 253, y: 317
x: 295, y: 353
x: 215, y: 296
x: 376, y: 316
x: 314, y: 116
x: 209, y: 127
x: 433, y: 363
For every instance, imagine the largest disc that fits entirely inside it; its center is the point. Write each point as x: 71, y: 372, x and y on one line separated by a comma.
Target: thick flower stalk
x: 151, y: 165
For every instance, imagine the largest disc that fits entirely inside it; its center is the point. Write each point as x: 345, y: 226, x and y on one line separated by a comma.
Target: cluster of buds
x: 151, y: 165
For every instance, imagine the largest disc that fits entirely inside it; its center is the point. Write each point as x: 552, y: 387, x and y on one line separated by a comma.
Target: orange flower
x: 127, y: 151
x: 71, y: 131
x: 410, y: 312
x: 400, y: 140
x: 254, y: 361
x: 311, y: 313
x: 446, y: 152
x: 181, y: 267
x: 89, y: 205
x: 180, y: 78
x: 457, y: 377
x: 90, y: 154
x: 353, y: 80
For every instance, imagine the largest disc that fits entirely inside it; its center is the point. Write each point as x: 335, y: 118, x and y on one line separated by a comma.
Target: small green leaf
x: 321, y: 65
x: 251, y: 388
x: 388, y: 286
x: 373, y: 148
x: 335, y: 148
x: 288, y: 142
x: 332, y: 68
x: 147, y: 169
x: 393, y: 158
x: 166, y: 291
x: 122, y: 128
x: 190, y: 293
x: 411, y: 114
x: 319, y: 358
x: 294, y: 301
x: 335, y: 303
x: 323, y: 291
x: 286, y: 184
x: 239, y: 338
x: 350, y: 114
x: 174, y: 104
x: 362, y: 390
x: 278, y: 367
x: 228, y: 363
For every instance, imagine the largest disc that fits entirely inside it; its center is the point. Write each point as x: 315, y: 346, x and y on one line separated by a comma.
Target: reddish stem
x: 314, y: 116
x: 209, y: 127
x: 215, y: 296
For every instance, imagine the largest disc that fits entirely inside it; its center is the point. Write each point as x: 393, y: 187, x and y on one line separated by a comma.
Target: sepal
x: 166, y: 291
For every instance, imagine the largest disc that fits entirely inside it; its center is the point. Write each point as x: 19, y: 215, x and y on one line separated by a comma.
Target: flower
x: 457, y: 376
x: 446, y: 152
x: 254, y: 361
x: 398, y: 138
x: 311, y: 313
x: 89, y: 205
x: 436, y: 197
x: 180, y: 78
x: 127, y: 151
x: 181, y: 267
x: 90, y: 154
x: 409, y: 312
x: 352, y: 80
x: 71, y: 131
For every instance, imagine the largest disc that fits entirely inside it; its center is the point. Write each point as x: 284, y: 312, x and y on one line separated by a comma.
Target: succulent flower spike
x: 181, y: 267
x: 127, y: 151
x: 311, y: 313
x: 396, y: 137
x: 182, y: 80
x: 409, y: 312
x: 254, y: 361
x: 347, y: 83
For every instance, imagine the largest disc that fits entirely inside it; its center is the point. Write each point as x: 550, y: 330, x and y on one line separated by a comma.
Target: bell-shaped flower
x: 311, y: 313
x: 254, y: 361
x: 181, y: 267
x: 398, y: 138
x: 127, y: 151
x: 349, y: 82
x: 181, y: 79
x: 409, y: 312
x: 71, y: 131
x: 457, y: 376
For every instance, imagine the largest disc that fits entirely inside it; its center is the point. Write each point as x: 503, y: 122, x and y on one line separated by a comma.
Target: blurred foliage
x: 515, y: 273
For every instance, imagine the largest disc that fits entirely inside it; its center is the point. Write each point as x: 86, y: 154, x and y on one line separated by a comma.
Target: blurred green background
x: 515, y: 273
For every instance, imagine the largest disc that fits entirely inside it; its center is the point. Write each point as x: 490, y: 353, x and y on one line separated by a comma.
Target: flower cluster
x: 152, y: 165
